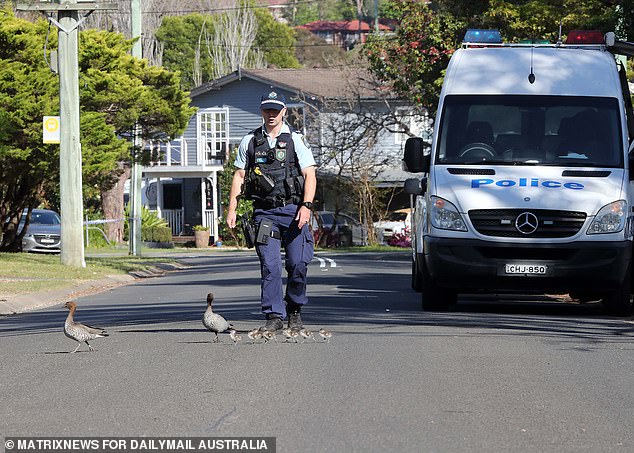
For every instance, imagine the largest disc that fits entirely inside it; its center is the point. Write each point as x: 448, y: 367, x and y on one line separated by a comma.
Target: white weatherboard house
x: 183, y: 185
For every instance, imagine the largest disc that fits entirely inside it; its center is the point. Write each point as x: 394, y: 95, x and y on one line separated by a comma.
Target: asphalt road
x: 492, y: 375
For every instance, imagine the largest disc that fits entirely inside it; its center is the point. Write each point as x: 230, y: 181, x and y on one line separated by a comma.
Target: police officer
x: 276, y: 169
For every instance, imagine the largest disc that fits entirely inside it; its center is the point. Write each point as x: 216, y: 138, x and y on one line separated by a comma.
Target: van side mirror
x: 415, y: 159
x: 415, y: 186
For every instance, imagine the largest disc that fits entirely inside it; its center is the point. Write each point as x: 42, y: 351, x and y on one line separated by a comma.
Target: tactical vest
x: 274, y: 178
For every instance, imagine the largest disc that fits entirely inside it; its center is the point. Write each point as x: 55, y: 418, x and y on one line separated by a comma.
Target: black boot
x: 295, y: 319
x: 273, y: 323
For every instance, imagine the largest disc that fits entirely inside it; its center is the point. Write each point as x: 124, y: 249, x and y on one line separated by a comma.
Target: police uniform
x: 278, y: 162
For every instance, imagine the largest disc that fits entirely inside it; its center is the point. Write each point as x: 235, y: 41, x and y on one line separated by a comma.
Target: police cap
x: 273, y: 100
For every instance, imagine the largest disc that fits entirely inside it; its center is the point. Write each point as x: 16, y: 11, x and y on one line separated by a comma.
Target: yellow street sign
x: 50, y: 129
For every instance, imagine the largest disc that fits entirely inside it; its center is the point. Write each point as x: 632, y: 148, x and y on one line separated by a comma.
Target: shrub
x: 156, y: 234
x: 401, y: 239
x: 150, y: 222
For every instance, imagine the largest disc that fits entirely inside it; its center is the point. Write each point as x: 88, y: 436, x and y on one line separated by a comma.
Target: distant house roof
x: 276, y: 7
x: 324, y: 83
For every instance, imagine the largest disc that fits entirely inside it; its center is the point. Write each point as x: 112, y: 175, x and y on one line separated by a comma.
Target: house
x: 276, y: 8
x: 182, y: 186
x: 343, y: 33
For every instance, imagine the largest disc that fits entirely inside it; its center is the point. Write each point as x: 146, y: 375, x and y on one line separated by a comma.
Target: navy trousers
x: 299, y: 248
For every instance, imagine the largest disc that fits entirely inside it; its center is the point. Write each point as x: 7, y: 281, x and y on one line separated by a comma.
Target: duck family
x: 214, y: 322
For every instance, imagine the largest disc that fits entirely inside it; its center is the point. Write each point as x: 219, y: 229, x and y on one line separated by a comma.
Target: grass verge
x: 23, y: 273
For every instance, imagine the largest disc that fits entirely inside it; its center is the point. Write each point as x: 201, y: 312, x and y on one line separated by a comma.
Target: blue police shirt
x: 304, y: 154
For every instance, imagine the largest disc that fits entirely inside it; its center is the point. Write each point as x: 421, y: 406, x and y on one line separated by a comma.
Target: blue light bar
x: 483, y: 36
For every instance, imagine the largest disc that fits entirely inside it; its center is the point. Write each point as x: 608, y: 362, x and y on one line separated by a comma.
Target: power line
x: 216, y: 10
x: 267, y: 46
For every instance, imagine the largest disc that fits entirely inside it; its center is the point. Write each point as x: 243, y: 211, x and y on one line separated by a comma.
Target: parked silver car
x: 43, y: 233
x: 347, y: 231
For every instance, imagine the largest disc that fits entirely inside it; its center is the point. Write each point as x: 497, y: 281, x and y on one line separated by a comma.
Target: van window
x: 545, y: 130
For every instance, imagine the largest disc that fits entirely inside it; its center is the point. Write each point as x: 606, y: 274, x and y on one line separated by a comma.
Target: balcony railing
x: 175, y: 219
x: 175, y: 153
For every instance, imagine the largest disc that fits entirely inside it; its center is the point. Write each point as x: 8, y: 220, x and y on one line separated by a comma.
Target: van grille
x: 550, y: 224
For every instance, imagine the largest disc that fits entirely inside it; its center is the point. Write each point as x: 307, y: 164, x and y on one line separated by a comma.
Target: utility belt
x: 264, y: 231
x: 271, y: 204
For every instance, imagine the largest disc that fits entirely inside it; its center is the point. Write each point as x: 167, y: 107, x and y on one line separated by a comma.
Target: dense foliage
x: 413, y: 59
x: 188, y: 42
x: 245, y: 207
x: 117, y: 91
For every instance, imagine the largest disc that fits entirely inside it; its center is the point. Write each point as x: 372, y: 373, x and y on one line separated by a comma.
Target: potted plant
x: 201, y: 234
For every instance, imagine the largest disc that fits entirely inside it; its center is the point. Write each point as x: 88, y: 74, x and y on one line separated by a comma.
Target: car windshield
x: 327, y: 218
x: 530, y: 130
x: 43, y: 218
x: 397, y: 216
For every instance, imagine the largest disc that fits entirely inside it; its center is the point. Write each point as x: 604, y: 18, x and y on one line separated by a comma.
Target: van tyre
x: 618, y: 302
x: 434, y: 297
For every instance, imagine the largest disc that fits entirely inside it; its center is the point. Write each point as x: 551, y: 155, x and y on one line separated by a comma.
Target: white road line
x: 322, y: 262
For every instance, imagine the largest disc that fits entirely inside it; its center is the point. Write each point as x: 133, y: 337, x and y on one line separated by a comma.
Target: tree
x: 117, y: 91
x: 183, y: 40
x: 127, y: 92
x: 230, y: 45
x: 233, y: 236
x: 313, y: 51
x: 275, y: 41
x: 204, y: 47
x: 104, y: 170
x: 414, y: 59
x: 540, y: 19
x: 300, y: 13
x: 347, y: 130
x: 28, y: 90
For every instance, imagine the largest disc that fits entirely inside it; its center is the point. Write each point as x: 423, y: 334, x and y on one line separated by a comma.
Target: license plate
x: 523, y: 269
x: 47, y: 241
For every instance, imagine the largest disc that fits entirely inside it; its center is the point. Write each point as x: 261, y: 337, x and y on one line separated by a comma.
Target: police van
x: 529, y: 185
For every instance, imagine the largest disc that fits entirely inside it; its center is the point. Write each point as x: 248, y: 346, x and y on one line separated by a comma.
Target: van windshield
x: 530, y: 130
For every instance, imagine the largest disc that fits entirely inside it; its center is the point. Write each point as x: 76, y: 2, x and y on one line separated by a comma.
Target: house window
x: 418, y: 125
x: 213, y: 131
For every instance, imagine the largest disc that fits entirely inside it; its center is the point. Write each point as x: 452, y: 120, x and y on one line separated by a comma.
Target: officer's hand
x: 303, y: 216
x: 231, y: 219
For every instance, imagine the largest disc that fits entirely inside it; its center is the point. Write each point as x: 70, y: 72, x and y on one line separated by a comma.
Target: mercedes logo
x: 526, y: 223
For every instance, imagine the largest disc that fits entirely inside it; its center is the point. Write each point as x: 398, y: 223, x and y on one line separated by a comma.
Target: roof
x: 325, y: 83
x: 558, y: 70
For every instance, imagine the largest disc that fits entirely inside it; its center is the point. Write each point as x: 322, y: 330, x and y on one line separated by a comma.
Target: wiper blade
x: 496, y: 162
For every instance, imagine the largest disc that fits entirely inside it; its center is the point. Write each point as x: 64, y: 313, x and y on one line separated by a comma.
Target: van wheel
x: 618, y: 302
x: 417, y: 281
x: 434, y: 297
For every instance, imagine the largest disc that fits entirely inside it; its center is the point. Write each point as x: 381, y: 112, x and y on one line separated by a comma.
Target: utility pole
x: 376, y: 16
x: 70, y: 169
x: 135, y: 176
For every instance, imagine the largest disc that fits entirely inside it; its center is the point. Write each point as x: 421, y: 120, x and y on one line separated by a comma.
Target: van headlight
x: 445, y: 216
x: 610, y: 218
